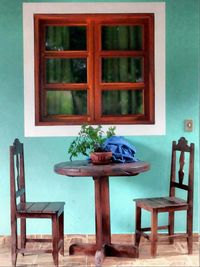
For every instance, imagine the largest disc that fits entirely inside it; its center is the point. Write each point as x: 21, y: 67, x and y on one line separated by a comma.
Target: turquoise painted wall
x: 182, y: 102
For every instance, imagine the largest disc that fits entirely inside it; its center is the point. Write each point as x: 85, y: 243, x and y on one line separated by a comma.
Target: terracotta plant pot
x: 101, y: 157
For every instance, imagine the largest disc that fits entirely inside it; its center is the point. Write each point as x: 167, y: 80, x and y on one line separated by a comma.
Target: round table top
x: 86, y: 168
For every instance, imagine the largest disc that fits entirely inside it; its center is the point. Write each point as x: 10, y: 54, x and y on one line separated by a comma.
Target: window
x: 94, y: 68
x: 35, y: 122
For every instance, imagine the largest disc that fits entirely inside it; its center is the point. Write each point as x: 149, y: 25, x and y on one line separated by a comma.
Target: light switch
x: 188, y: 125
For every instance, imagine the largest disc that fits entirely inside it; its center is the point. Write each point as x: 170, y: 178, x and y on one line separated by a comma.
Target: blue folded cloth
x: 122, y: 150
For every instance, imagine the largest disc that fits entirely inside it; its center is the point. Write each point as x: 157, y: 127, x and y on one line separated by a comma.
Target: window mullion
x: 97, y: 70
x: 91, y: 71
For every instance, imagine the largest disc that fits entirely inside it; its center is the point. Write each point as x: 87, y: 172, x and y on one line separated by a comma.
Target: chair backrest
x: 177, y: 169
x: 17, y: 179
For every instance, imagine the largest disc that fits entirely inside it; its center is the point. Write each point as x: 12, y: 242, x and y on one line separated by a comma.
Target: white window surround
x: 29, y: 9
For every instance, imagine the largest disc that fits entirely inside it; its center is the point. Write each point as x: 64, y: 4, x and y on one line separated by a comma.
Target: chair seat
x: 160, y: 203
x: 46, y: 208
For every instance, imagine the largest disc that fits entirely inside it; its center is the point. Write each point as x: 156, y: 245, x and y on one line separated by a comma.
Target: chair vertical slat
x: 181, y: 170
x: 17, y: 170
x: 12, y: 182
x: 173, y: 170
x: 190, y: 200
x: 13, y: 208
x: 22, y: 197
x: 191, y: 177
x: 22, y: 174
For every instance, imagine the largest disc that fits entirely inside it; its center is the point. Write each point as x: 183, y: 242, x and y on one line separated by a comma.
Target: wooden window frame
x: 94, y: 55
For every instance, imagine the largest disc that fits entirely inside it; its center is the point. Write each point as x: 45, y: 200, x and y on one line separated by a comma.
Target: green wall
x: 182, y: 102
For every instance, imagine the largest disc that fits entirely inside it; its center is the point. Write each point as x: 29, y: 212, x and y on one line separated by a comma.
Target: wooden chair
x: 24, y: 210
x: 172, y: 203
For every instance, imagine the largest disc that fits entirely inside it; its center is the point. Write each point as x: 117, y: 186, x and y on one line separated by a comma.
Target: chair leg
x: 14, y: 241
x: 171, y: 227
x: 154, y: 229
x: 55, y: 239
x: 189, y: 230
x: 23, y: 233
x: 61, y: 232
x: 137, y: 226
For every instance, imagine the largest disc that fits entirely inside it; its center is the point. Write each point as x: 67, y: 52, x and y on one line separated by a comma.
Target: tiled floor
x: 168, y: 255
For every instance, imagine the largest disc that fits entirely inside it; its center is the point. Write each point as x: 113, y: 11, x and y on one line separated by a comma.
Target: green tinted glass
x: 124, y: 102
x: 59, y: 38
x: 121, y: 38
x: 68, y: 70
x: 67, y: 102
x: 122, y: 69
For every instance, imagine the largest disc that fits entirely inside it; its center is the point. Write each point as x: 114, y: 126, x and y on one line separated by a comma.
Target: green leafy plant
x: 90, y: 139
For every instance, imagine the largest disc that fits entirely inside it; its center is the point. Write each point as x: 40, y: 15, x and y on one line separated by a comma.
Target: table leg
x: 102, y: 211
x: 103, y: 232
x: 102, y: 215
x: 103, y: 246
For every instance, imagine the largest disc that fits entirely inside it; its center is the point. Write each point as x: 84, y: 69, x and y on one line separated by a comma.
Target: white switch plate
x: 188, y: 125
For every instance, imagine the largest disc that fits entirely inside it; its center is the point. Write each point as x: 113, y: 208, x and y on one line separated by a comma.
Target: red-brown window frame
x: 93, y: 23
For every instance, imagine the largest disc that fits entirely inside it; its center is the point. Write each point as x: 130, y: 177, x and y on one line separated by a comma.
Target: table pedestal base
x: 108, y: 250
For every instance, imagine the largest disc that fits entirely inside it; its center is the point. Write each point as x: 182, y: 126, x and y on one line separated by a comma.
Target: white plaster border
x: 29, y: 9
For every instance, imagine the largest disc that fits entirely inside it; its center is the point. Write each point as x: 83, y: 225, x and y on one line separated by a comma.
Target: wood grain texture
x: 100, y: 174
x: 94, y: 54
x: 171, y: 204
x: 86, y: 168
x: 24, y: 210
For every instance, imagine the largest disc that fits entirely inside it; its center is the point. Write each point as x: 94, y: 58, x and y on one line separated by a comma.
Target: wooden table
x: 100, y: 174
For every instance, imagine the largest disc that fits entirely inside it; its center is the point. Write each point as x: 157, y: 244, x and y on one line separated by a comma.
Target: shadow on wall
x: 152, y: 183
x: 156, y: 180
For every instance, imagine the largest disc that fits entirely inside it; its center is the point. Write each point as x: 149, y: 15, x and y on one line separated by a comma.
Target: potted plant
x: 89, y: 142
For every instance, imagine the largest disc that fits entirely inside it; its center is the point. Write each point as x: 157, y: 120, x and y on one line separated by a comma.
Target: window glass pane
x: 60, y: 38
x: 121, y: 37
x: 122, y: 69
x: 126, y: 102
x: 67, y: 70
x: 67, y: 102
